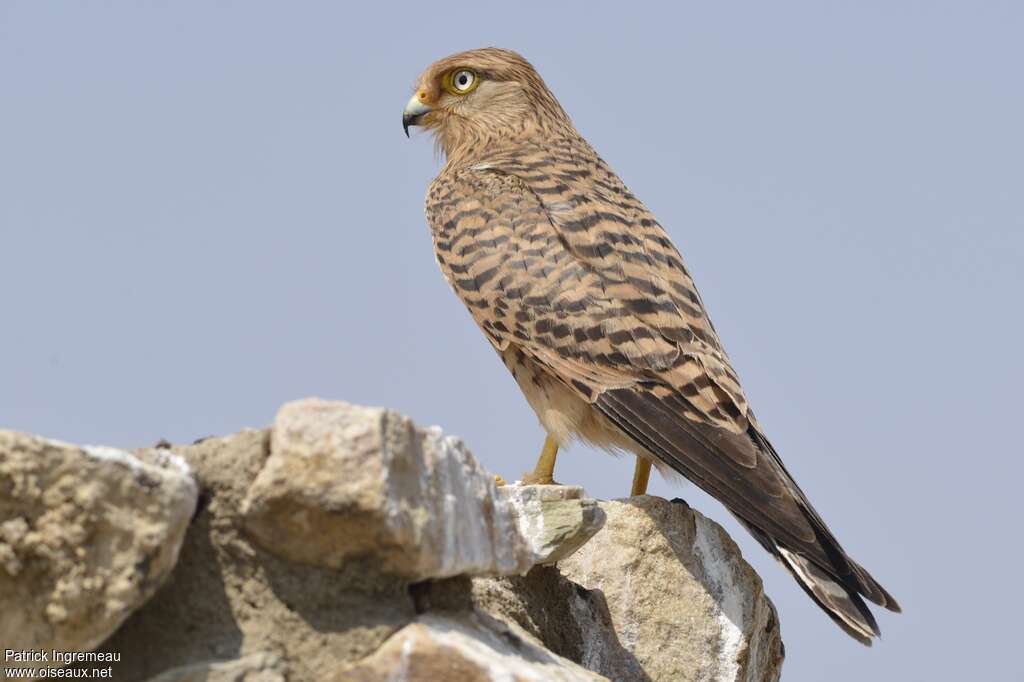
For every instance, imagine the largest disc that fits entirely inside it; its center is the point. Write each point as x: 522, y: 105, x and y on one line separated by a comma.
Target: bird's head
x: 472, y: 99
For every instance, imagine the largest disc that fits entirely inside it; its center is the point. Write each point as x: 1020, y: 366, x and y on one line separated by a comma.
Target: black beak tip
x: 410, y: 120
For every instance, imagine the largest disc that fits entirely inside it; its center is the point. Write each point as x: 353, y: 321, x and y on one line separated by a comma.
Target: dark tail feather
x: 856, y: 580
x: 748, y: 477
x: 842, y: 603
x: 871, y: 589
x: 843, y: 606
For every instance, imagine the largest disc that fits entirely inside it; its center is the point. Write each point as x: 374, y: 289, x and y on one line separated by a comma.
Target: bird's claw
x: 532, y: 478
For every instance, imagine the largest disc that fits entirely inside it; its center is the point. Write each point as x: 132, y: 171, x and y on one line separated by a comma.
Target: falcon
x: 590, y: 306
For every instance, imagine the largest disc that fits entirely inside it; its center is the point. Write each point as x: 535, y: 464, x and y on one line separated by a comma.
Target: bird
x: 590, y: 306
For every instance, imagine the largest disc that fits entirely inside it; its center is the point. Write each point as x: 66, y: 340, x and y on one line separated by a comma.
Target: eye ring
x: 461, y: 81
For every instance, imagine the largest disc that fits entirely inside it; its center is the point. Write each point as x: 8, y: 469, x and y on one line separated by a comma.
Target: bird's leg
x: 641, y: 475
x: 544, y: 471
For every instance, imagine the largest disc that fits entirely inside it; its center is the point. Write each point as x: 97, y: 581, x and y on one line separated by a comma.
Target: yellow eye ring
x: 461, y: 81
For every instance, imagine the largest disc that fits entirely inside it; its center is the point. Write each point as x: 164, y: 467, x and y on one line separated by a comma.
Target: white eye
x: 463, y: 81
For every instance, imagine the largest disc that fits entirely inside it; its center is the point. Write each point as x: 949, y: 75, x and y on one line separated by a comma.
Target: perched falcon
x: 591, y: 308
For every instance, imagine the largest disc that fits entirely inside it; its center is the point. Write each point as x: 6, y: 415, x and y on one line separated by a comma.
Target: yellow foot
x: 498, y: 480
x: 532, y: 478
x: 543, y: 473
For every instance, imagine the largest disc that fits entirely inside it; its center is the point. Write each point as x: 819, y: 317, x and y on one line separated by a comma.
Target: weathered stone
x: 683, y: 603
x: 228, y: 597
x: 87, y: 534
x: 318, y: 552
x: 660, y: 594
x: 562, y: 616
x: 468, y: 647
x: 555, y: 520
x: 258, y: 667
x: 344, y: 482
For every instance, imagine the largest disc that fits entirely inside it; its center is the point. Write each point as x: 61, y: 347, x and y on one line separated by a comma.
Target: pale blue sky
x: 208, y: 209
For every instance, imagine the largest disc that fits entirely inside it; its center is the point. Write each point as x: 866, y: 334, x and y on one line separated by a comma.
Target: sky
x: 208, y: 209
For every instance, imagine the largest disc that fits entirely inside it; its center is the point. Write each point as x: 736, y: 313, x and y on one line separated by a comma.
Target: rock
x: 344, y: 482
x: 660, y: 594
x: 348, y: 544
x: 683, y: 603
x: 87, y: 535
x: 563, y: 616
x: 468, y: 647
x: 228, y: 597
x: 555, y: 520
x: 258, y: 667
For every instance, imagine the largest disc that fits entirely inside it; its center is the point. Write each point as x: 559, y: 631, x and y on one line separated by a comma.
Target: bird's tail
x: 842, y: 601
x: 844, y: 606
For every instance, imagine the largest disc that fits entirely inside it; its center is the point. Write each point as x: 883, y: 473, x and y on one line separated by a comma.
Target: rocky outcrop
x: 257, y: 667
x: 661, y: 593
x: 87, y: 534
x: 675, y: 581
x: 467, y: 646
x: 345, y: 481
x: 346, y: 543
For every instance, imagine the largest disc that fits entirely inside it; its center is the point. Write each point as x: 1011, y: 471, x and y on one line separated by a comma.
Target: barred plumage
x: 591, y: 307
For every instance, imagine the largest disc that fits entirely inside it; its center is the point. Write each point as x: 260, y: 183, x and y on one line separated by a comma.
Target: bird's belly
x: 562, y: 413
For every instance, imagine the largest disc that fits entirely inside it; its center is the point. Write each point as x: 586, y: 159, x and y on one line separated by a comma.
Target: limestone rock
x: 227, y: 597
x: 344, y: 482
x: 555, y: 520
x: 467, y: 647
x: 564, y: 617
x: 318, y: 550
x: 258, y: 667
x: 87, y: 534
x: 683, y: 603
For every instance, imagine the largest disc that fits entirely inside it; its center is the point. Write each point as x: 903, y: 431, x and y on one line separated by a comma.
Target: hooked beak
x: 414, y: 111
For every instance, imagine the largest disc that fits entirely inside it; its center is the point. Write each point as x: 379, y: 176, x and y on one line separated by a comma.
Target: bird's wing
x: 572, y: 269
x: 585, y: 282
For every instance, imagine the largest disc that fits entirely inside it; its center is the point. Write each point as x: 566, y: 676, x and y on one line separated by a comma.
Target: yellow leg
x: 544, y: 471
x: 641, y: 475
